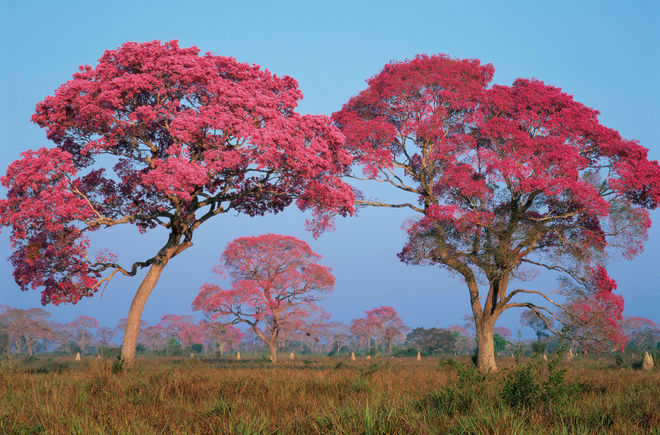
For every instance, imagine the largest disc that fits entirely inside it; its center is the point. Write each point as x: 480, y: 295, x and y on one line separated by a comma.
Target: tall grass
x: 325, y: 395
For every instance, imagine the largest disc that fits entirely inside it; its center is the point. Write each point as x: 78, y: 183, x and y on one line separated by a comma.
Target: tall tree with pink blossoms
x: 159, y: 136
x: 507, y: 181
x: 275, y: 282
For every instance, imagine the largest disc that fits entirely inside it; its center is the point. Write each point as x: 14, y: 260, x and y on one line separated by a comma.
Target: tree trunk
x: 485, y: 346
x: 135, y: 313
x: 273, y: 352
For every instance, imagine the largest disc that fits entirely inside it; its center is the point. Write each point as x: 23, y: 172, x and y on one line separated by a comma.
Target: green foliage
x: 520, y: 388
x: 370, y: 369
x: 408, y: 352
x: 539, y: 347
x: 499, y: 343
x: 173, y: 346
x: 528, y: 385
x: 111, y: 352
x: 117, y: 364
x: 432, y: 341
x: 461, y: 396
x: 52, y: 366
x: 4, y: 343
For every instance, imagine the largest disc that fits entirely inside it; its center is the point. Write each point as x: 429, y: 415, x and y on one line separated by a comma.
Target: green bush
x: 460, y: 397
x: 51, y: 366
x: 408, y: 352
x: 117, y: 364
x: 528, y: 385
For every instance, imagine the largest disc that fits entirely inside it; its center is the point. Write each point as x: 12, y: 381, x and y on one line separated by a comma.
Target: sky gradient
x: 605, y: 54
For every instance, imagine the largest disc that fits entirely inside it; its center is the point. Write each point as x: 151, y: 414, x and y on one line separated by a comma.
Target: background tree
x: 82, y: 326
x: 499, y: 343
x: 25, y: 328
x: 642, y: 333
x: 363, y: 330
x: 104, y: 336
x: 504, y: 332
x: 158, y: 136
x: 154, y: 338
x: 338, y: 335
x: 4, y: 341
x: 190, y: 334
x: 172, y: 325
x: 64, y: 336
x: 4, y: 336
x: 507, y: 180
x: 531, y: 320
x: 387, y: 326
x: 274, y: 279
x: 224, y: 337
x: 432, y: 341
x: 464, y: 338
x: 305, y: 325
x: 539, y: 325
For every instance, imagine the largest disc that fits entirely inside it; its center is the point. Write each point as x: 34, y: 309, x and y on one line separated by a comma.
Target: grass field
x: 325, y: 395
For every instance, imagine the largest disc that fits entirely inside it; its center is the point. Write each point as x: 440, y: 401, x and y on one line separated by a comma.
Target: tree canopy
x: 507, y: 179
x: 276, y: 282
x: 156, y: 135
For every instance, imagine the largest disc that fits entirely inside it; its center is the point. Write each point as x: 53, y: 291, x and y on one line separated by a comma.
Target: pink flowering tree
x: 64, y: 335
x: 153, y: 338
x: 337, y: 335
x: 159, y: 136
x: 305, y: 326
x: 594, y: 318
x: 190, y: 334
x: 224, y: 337
x: 363, y: 331
x: 26, y: 327
x: 506, y: 181
x: 642, y: 333
x: 275, y: 280
x: 387, y: 326
x: 173, y: 325
x: 503, y: 332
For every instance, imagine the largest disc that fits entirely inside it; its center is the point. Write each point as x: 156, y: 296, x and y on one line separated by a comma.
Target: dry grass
x: 322, y: 395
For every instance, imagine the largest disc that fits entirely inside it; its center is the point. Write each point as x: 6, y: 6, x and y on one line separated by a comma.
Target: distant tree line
x: 380, y: 331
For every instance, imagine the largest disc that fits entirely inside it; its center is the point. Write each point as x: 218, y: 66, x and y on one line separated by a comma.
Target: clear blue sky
x: 606, y: 54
